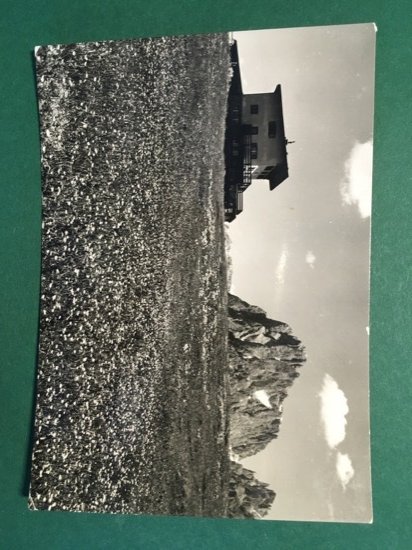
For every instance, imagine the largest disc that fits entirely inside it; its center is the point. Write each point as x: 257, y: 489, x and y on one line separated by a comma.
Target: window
x: 253, y: 151
x: 251, y: 130
x: 272, y: 129
x: 254, y: 109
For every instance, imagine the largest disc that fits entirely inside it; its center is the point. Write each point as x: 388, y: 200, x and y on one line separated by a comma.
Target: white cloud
x: 344, y: 469
x: 357, y: 185
x: 310, y: 259
x: 280, y: 268
x: 333, y: 411
x: 331, y: 510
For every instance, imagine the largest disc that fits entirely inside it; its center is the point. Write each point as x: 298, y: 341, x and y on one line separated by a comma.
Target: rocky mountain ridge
x: 248, y: 497
x: 264, y: 361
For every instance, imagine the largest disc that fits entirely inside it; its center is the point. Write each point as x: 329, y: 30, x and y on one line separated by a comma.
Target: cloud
x: 356, y: 187
x: 280, y: 268
x: 331, y: 510
x: 310, y: 259
x: 344, y: 469
x: 334, y: 408
x: 333, y: 411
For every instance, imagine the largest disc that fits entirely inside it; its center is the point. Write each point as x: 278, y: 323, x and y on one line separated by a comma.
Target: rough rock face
x: 264, y: 359
x: 248, y: 497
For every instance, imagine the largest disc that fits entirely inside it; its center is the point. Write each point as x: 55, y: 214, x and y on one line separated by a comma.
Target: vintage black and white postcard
x: 203, y: 342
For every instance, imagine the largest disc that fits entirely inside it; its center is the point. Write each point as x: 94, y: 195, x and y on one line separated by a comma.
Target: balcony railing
x: 247, y: 162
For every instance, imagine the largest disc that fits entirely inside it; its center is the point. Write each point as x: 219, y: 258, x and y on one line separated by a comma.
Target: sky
x: 301, y: 252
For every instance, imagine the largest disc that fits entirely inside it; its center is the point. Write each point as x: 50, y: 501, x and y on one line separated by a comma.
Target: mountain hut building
x: 255, y: 142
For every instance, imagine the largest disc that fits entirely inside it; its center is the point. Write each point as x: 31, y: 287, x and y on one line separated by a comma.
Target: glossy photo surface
x: 204, y: 314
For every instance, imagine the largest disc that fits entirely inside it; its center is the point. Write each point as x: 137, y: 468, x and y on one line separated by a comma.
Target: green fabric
x: 25, y: 24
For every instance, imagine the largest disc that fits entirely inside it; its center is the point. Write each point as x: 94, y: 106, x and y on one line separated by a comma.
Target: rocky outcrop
x: 264, y: 360
x: 248, y: 497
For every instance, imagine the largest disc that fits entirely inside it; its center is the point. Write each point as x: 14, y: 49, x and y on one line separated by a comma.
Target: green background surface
x: 26, y: 24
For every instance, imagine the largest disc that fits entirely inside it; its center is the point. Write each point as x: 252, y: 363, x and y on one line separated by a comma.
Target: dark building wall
x: 234, y: 142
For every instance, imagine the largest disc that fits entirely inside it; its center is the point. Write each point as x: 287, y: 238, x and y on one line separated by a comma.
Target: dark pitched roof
x: 280, y: 172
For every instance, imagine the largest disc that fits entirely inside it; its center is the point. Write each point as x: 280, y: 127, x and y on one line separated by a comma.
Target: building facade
x: 255, y: 144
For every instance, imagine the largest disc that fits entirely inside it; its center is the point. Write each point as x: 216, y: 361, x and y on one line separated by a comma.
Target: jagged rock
x: 264, y: 360
x: 248, y: 497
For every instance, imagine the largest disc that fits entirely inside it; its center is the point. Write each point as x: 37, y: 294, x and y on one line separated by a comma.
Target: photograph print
x: 204, y: 310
